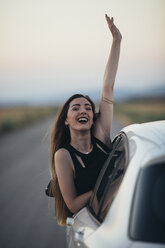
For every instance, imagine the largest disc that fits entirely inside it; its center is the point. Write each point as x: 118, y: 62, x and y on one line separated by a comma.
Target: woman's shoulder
x: 63, y: 159
x: 61, y: 154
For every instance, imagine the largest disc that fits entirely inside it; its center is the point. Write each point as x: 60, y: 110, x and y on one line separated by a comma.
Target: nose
x: 83, y: 111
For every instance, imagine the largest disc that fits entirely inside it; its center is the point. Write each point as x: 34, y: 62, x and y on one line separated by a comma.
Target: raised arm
x: 104, y: 121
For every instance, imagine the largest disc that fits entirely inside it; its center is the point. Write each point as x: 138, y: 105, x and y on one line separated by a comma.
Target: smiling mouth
x: 82, y: 120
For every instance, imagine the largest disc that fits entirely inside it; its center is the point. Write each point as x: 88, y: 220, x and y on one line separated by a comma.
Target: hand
x: 114, y: 30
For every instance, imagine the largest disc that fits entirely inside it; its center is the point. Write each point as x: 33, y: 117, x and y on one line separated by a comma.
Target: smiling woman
x: 80, y: 141
x: 80, y: 115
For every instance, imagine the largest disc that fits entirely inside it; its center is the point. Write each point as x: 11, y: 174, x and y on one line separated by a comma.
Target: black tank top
x: 86, y: 173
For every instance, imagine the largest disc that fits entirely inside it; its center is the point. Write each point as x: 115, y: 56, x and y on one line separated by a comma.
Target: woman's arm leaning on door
x: 65, y: 175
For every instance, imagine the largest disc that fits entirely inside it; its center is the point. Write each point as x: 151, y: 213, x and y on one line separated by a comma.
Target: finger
x: 107, y: 17
x: 109, y: 20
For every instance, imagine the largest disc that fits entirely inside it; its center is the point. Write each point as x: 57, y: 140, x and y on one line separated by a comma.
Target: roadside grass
x: 139, y: 111
x: 17, y: 117
x: 135, y: 111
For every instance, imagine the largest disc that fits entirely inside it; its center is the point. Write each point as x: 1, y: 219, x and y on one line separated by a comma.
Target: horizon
x: 120, y: 95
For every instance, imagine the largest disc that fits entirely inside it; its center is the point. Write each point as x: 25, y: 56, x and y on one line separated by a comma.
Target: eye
x: 75, y: 109
x: 88, y: 108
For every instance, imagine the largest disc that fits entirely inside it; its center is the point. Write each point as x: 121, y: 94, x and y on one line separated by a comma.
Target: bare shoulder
x: 63, y: 160
x: 61, y: 154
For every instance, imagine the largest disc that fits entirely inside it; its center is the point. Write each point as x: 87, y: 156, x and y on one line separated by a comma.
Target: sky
x: 52, y: 48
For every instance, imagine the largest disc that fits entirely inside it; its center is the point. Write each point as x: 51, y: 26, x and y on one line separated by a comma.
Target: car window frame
x: 118, y: 140
x: 109, y: 183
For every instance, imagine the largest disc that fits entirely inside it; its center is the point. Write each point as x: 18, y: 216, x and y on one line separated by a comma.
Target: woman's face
x: 80, y: 115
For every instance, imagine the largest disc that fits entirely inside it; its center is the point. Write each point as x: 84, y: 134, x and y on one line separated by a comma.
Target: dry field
x: 136, y: 111
x: 14, y: 118
x: 139, y: 111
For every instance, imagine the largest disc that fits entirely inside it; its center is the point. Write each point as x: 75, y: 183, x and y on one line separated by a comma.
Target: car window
x: 109, y: 179
x: 147, y: 220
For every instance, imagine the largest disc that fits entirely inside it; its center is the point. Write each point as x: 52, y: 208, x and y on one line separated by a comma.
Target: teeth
x: 83, y: 119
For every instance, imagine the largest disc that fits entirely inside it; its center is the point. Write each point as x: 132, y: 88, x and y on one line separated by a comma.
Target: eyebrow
x: 77, y: 104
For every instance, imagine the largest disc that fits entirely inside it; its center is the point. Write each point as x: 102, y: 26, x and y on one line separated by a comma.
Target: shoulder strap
x: 72, y: 153
x: 101, y: 144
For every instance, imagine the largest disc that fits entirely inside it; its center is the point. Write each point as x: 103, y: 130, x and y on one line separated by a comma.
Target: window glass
x: 112, y: 186
x: 109, y: 179
x: 147, y: 221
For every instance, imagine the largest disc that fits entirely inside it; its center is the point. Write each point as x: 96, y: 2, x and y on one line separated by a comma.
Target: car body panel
x: 82, y: 222
x: 146, y: 146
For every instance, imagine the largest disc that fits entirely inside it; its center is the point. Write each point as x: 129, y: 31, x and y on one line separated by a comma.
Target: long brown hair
x: 59, y: 137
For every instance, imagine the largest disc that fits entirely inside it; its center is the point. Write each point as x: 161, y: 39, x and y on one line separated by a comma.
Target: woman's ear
x: 66, y: 123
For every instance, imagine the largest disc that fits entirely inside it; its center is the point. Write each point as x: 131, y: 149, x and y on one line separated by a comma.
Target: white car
x: 127, y: 208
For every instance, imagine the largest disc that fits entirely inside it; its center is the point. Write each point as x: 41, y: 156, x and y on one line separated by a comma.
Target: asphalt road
x: 26, y: 214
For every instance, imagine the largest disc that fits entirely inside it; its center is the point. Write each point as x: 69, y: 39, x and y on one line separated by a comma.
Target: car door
x: 109, y: 179
x: 87, y: 220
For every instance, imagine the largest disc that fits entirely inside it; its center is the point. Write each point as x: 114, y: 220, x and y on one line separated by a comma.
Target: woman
x: 80, y: 140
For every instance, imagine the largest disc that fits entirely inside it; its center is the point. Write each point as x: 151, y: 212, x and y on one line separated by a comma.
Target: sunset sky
x: 49, y: 48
